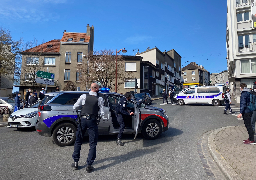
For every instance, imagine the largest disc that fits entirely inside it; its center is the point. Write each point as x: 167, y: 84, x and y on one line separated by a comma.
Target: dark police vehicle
x: 58, y: 119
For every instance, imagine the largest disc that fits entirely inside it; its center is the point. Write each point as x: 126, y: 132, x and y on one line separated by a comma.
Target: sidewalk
x: 235, y: 159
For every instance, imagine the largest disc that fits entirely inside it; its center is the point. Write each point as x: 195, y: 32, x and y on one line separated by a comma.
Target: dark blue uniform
x: 122, y: 110
x: 89, y: 115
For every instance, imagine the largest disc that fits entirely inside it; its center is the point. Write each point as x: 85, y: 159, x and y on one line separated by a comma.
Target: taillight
x: 39, y: 130
x: 45, y: 108
x: 223, y: 95
x: 39, y: 114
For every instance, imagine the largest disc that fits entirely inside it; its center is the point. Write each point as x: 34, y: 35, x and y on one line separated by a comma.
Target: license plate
x: 13, y: 125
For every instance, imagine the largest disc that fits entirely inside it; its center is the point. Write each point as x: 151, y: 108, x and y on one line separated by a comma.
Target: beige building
x: 59, y: 57
x: 195, y: 75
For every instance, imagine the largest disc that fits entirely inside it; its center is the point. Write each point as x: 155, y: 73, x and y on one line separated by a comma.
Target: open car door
x: 136, y: 118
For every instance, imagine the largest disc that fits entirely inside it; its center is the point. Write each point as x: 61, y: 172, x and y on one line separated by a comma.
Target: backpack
x: 252, y: 104
x: 226, y: 97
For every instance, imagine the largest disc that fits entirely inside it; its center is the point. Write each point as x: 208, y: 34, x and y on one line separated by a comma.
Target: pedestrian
x: 121, y: 111
x: 41, y: 94
x: 57, y: 89
x: 35, y: 94
x: 227, y: 100
x: 254, y: 112
x: 27, y: 97
x: 246, y: 113
x: 171, y: 94
x: 17, y: 102
x: 90, y: 104
x: 164, y: 96
x: 32, y: 99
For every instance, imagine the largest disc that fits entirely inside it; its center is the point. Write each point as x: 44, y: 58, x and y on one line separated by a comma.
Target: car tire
x: 64, y: 134
x: 180, y: 102
x: 215, y: 102
x: 152, y: 129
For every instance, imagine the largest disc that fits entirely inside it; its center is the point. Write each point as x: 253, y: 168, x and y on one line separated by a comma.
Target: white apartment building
x: 241, y: 44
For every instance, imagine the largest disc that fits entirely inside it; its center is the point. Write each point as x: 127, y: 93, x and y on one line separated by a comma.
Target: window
x: 162, y: 66
x: 70, y: 39
x: 29, y: 76
x: 153, y: 74
x: 185, y: 73
x: 130, y: 83
x: 82, y: 39
x: 130, y: 66
x: 193, y: 79
x: 193, y: 73
x: 49, y: 61
x: 174, y: 65
x: 248, y: 66
x: 68, y: 57
x: 254, y: 38
x: 32, y: 60
x: 162, y: 77
x: 157, y: 74
x: 244, y: 16
x: 77, y: 76
x: 157, y: 62
x: 145, y: 72
x: 208, y: 90
x: 79, y: 57
x: 185, y: 80
x: 67, y: 99
x: 66, y: 74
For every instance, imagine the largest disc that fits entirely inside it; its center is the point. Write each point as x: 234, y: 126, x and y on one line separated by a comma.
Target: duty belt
x: 89, y: 116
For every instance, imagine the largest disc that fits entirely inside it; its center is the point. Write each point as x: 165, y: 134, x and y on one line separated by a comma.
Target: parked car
x: 4, y: 105
x: 58, y: 119
x: 143, y: 97
x: 27, y: 117
x: 12, y: 101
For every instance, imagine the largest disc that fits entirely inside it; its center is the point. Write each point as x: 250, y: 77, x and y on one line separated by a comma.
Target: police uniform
x: 227, y: 102
x: 91, y: 104
x: 122, y: 110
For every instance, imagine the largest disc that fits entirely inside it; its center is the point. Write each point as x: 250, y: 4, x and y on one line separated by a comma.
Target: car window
x: 67, y: 98
x: 10, y: 100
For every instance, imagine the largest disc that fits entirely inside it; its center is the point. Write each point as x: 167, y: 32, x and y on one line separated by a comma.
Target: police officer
x: 122, y: 111
x: 227, y: 100
x: 90, y: 105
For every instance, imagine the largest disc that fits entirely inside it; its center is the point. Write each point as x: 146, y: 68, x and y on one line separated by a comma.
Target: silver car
x: 58, y: 119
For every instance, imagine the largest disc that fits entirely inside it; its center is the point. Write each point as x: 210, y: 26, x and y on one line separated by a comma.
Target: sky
x: 195, y: 29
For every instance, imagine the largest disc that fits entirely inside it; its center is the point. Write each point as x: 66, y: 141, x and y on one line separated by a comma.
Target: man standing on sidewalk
x: 227, y: 100
x: 246, y: 112
x: 254, y: 112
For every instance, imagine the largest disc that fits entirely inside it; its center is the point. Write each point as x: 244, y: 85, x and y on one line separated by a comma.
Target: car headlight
x: 30, y: 115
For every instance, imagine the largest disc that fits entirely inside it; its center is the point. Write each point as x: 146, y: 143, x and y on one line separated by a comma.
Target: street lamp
x: 124, y: 51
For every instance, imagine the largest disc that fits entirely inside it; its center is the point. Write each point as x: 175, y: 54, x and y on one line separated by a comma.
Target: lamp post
x: 124, y: 51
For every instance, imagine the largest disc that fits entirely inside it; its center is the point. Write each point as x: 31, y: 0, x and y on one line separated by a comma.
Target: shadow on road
x: 28, y: 129
x: 111, y: 161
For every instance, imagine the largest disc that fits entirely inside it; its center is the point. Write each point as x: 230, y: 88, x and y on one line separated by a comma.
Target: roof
x: 74, y: 37
x: 190, y: 67
x: 52, y: 46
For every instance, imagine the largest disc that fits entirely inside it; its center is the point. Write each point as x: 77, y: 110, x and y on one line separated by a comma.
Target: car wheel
x: 64, y: 134
x: 180, y: 102
x: 215, y: 102
x: 152, y: 129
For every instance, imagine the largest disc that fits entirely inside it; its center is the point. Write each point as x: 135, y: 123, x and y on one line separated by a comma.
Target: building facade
x: 195, y: 75
x: 221, y: 78
x: 241, y: 44
x: 160, y: 70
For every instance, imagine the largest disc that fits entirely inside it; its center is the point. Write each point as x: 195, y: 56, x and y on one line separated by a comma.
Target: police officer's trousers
x: 120, y: 120
x: 93, y: 138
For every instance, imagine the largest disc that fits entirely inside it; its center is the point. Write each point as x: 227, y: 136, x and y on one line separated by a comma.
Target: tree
x: 9, y: 55
x: 70, y: 86
x: 100, y: 67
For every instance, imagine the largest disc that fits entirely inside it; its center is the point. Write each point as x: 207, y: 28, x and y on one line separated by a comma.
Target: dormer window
x: 82, y: 39
x: 70, y: 39
x: 49, y: 46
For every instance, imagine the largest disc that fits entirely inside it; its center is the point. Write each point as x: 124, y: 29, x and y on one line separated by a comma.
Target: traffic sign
x: 45, y: 81
x: 46, y: 75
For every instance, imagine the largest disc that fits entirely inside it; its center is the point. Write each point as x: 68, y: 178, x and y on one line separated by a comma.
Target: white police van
x: 202, y: 95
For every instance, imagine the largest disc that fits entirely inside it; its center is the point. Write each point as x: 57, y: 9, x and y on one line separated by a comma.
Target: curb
x: 228, y: 171
x: 3, y: 124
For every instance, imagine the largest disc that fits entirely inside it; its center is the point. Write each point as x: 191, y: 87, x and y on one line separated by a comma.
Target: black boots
x: 75, y: 165
x: 225, y: 112
x: 89, y: 168
x: 119, y: 142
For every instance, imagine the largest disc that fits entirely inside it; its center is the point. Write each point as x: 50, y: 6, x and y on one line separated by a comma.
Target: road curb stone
x: 228, y: 171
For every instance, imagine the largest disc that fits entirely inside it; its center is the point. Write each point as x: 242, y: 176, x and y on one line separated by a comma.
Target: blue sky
x: 195, y: 29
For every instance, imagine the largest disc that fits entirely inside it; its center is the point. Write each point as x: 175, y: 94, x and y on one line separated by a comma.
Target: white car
x: 4, y: 104
x: 24, y: 118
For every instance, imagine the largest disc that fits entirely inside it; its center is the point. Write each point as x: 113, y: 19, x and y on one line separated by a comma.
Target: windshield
x: 46, y: 99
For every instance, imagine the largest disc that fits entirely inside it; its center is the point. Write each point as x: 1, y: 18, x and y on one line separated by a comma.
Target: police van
x: 202, y: 95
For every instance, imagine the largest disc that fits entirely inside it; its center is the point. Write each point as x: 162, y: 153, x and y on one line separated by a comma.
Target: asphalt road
x: 175, y: 155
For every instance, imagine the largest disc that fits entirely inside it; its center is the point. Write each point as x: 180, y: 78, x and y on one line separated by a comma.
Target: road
x: 175, y: 155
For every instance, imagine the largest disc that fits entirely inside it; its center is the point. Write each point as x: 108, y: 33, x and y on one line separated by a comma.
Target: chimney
x: 64, y: 31
x: 88, y: 31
